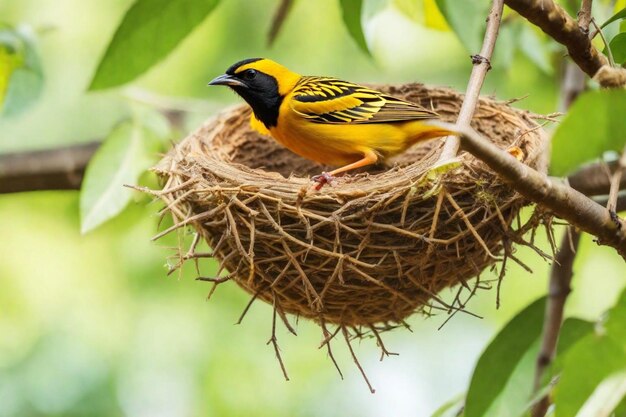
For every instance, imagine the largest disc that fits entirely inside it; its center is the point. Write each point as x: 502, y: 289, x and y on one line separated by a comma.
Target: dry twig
x: 564, y: 201
x: 560, y: 278
x: 482, y: 64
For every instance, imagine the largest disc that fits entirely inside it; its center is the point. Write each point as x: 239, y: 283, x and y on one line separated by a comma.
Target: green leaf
x: 619, y: 15
x: 467, y: 19
x: 590, y: 361
x: 149, y: 31
x: 594, y: 125
x: 126, y: 153
x: 606, y: 397
x: 505, y: 368
x: 451, y: 408
x: 503, y: 380
x: 572, y: 331
x: 21, y: 76
x: 586, y: 365
x: 616, y: 322
x: 618, y: 48
x: 351, y: 13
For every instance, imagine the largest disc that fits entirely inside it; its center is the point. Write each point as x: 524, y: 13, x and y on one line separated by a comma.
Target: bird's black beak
x: 229, y: 80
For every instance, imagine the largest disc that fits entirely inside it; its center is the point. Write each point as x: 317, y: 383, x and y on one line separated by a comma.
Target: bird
x: 328, y: 120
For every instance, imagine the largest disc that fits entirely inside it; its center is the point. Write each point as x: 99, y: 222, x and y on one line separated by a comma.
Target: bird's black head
x: 262, y: 83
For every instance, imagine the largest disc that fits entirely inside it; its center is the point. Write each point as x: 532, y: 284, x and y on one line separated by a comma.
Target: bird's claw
x: 321, y: 180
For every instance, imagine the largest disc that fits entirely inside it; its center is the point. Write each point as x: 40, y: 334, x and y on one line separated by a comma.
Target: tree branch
x: 595, y: 179
x: 616, y: 182
x: 560, y: 279
x: 554, y: 194
x: 572, y: 85
x: 553, y: 20
x: 584, y: 15
x: 277, y: 21
x: 482, y: 64
x: 52, y: 169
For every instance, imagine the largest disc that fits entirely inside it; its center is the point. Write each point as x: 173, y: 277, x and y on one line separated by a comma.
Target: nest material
x: 369, y: 250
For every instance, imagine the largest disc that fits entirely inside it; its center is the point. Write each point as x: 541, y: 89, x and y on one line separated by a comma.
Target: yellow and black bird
x: 327, y: 120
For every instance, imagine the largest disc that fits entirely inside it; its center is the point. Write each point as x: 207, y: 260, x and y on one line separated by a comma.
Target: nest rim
x: 203, y: 166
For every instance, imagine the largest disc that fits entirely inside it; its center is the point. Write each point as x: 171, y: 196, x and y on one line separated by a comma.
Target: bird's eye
x: 249, y: 74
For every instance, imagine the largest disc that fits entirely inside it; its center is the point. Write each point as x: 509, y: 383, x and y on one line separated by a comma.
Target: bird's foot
x: 321, y: 180
x: 433, y: 177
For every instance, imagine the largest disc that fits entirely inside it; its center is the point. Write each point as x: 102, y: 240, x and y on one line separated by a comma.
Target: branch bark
x: 482, y: 64
x: 52, y: 169
x: 564, y: 201
x: 595, y: 179
x: 559, y: 25
x: 584, y: 15
x: 560, y: 279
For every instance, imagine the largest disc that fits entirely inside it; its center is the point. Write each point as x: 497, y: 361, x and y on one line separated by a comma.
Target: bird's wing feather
x: 329, y: 100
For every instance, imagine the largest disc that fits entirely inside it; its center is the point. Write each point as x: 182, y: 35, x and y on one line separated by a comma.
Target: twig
x: 592, y: 179
x: 560, y: 278
x: 553, y: 20
x: 572, y: 85
x: 50, y: 169
x: 562, y: 266
x: 346, y: 336
x: 279, y: 18
x: 274, y: 341
x: 620, y: 203
x: 616, y: 182
x: 564, y: 201
x: 606, y: 43
x: 584, y: 15
x: 327, y: 338
x: 482, y: 64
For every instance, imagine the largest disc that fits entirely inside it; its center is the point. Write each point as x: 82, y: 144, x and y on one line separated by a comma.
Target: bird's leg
x: 369, y: 157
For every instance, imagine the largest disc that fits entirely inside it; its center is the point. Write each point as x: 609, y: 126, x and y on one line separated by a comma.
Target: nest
x: 371, y: 249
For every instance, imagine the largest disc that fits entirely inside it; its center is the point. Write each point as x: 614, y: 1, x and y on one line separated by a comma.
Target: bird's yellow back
x: 328, y: 120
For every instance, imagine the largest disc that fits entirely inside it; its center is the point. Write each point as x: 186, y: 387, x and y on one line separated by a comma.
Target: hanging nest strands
x: 367, y: 251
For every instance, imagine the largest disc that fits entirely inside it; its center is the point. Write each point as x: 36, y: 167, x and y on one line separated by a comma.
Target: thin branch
x: 51, y: 169
x: 584, y: 15
x: 620, y: 203
x: 595, y: 179
x: 482, y: 64
x: 279, y: 18
x: 572, y: 85
x: 616, y: 182
x: 553, y: 20
x: 609, y: 53
x: 562, y: 266
x: 561, y: 199
x: 560, y: 279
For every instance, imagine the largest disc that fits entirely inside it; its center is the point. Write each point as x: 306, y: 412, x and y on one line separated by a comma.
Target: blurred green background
x: 92, y: 326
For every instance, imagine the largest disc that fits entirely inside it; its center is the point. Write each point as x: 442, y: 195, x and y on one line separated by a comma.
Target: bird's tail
x: 431, y: 129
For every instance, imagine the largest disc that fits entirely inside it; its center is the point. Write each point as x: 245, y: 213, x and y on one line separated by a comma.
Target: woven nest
x: 367, y: 251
